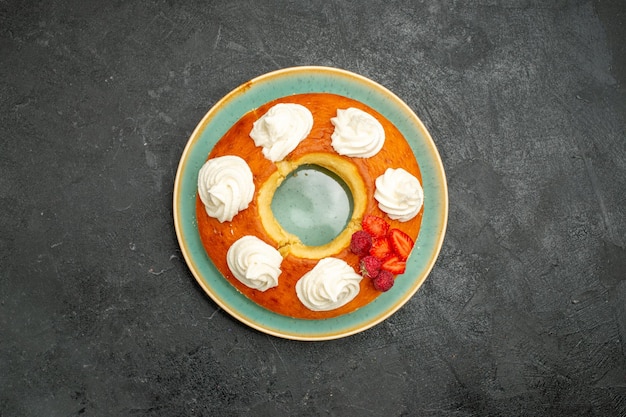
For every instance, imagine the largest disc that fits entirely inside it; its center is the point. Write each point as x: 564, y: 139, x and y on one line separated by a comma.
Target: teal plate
x: 287, y: 82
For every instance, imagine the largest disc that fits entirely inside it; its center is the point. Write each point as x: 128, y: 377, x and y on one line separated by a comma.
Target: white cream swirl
x: 399, y: 194
x: 254, y: 263
x: 225, y: 186
x: 281, y: 129
x: 331, y: 284
x: 357, y: 133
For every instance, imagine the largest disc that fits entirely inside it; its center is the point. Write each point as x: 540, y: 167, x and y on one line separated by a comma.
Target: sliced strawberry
x: 381, y: 248
x: 374, y: 225
x: 394, y: 265
x: 401, y: 243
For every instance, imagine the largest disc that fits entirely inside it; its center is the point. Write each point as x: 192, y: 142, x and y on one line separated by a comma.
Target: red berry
x: 383, y: 281
x: 394, y: 264
x: 361, y: 243
x: 370, y: 266
x: 401, y: 243
x: 374, y: 225
x: 381, y: 248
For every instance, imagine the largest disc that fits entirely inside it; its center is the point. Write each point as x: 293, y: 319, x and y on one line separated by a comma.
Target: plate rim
x: 241, y: 91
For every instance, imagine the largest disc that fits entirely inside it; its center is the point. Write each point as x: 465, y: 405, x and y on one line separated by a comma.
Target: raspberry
x: 383, y: 281
x: 361, y: 243
x: 370, y: 266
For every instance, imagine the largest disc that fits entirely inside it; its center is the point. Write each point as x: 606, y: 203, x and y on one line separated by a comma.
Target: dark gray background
x: 523, y: 315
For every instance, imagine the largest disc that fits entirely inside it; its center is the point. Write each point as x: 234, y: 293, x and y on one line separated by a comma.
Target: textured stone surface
x: 524, y: 313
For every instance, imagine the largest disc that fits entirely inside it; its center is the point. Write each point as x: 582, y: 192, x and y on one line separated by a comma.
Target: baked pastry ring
x: 359, y: 174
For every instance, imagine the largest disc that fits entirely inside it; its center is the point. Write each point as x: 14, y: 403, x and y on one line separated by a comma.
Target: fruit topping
x: 382, y: 251
x: 361, y: 243
x: 381, y: 248
x: 394, y: 265
x: 370, y: 266
x: 401, y: 243
x: 383, y: 281
x: 374, y: 225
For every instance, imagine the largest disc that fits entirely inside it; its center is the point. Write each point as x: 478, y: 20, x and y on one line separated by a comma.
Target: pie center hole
x: 314, y: 204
